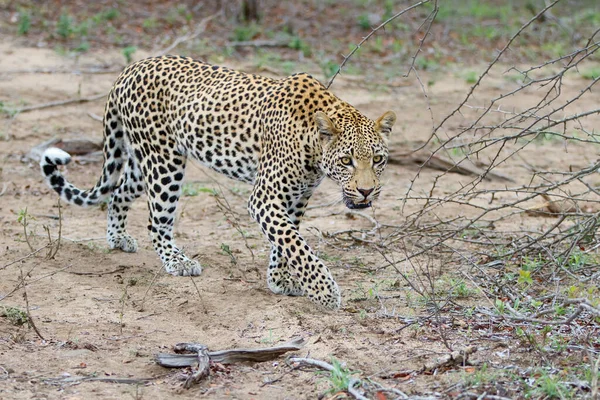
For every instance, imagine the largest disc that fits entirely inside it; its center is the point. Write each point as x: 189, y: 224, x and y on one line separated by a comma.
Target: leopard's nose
x: 365, y: 192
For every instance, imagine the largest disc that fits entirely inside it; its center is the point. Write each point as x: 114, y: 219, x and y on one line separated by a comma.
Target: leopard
x: 283, y: 136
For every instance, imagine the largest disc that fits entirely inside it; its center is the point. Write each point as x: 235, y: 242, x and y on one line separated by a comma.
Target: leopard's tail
x: 115, y: 156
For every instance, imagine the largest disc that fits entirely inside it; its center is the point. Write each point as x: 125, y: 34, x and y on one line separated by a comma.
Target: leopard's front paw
x: 180, y: 265
x: 284, y: 285
x: 124, y: 242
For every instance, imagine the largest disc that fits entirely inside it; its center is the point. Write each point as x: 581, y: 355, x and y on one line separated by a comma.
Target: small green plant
x: 471, y: 77
x: 591, y: 73
x: 24, y: 22
x: 288, y: 67
x: 128, y: 53
x: 378, y: 45
x: 8, y: 111
x: 524, y: 278
x: 364, y: 21
x: 427, y: 64
x: 174, y: 14
x: 329, y: 68
x: 23, y: 218
x: 500, y: 306
x: 547, y: 137
x: 150, y: 23
x: 339, y: 376
x: 558, y: 343
x: 270, y: 339
x: 459, y: 151
x: 532, y: 263
x: 192, y: 190
x: 363, y: 293
x: 469, y: 312
x: 527, y: 338
x: 550, y: 387
x: 479, y: 377
x: 297, y: 43
x: 82, y: 47
x: 578, y: 259
x: 15, y: 315
x: 225, y: 249
x: 83, y: 29
x: 326, y: 257
x: 106, y: 15
x: 244, y: 33
x: 362, y: 314
x: 560, y: 310
x: 65, y: 26
x: 460, y: 289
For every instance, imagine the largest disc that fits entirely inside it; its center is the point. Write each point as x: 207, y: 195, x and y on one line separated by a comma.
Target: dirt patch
x: 105, y: 313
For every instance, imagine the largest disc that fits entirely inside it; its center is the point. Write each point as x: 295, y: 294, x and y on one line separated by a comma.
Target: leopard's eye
x: 346, y: 160
x: 377, y: 159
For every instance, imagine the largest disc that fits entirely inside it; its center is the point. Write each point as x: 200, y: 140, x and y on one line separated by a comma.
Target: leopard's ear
x: 327, y: 128
x: 385, y: 122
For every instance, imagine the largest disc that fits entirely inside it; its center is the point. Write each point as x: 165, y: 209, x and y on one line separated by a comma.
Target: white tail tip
x: 56, y: 156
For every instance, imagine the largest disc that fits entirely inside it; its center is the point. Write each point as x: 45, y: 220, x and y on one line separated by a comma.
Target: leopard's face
x: 355, y: 153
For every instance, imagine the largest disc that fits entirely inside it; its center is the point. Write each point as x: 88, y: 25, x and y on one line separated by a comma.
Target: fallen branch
x: 103, y: 69
x: 454, y: 359
x: 24, y: 258
x: 259, y: 43
x: 79, y: 379
x: 29, y: 318
x: 117, y: 270
x: 199, y: 29
x: 426, y: 159
x: 224, y: 356
x: 203, y: 357
x: 60, y: 103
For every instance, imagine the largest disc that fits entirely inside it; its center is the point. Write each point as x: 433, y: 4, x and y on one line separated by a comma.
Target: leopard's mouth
x: 356, y: 205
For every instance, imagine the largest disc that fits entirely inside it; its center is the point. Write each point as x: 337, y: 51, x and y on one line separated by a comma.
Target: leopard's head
x: 355, y: 153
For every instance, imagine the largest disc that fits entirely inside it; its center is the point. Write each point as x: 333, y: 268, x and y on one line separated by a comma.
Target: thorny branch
x: 381, y: 26
x: 559, y: 206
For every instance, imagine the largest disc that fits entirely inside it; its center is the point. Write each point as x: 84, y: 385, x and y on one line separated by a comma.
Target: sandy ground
x: 105, y: 313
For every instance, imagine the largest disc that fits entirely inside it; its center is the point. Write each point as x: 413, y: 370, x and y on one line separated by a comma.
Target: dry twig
x: 60, y: 103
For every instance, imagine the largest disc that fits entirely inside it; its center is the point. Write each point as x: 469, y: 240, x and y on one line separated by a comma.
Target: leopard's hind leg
x: 130, y: 188
x: 163, y: 173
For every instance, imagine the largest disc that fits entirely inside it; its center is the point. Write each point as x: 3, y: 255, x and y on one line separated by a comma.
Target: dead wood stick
x: 202, y: 371
x: 224, y: 356
x: 91, y: 70
x: 353, y: 382
x: 456, y: 358
x: 199, y: 29
x: 95, y: 117
x: 60, y: 103
x: 442, y: 164
x: 312, y: 362
x: 259, y: 43
x: 78, y: 379
x: 29, y: 318
x: 120, y: 268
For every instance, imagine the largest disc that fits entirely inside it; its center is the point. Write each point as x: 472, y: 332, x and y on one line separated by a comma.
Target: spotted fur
x: 282, y: 136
